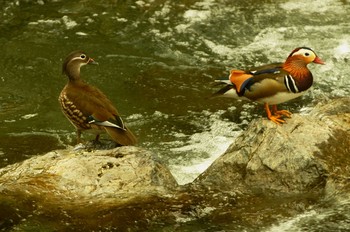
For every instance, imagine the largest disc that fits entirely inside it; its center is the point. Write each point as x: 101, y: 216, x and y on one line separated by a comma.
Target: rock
x: 84, y: 190
x: 268, y: 168
x: 124, y: 172
x: 294, y: 158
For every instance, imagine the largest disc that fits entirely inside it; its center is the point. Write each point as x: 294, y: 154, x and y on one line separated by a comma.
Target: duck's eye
x: 83, y: 56
x: 307, y: 54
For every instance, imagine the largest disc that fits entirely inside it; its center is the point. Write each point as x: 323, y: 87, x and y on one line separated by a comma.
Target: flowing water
x: 157, y: 62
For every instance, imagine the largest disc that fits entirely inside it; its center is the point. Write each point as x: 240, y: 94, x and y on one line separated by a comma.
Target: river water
x: 157, y: 62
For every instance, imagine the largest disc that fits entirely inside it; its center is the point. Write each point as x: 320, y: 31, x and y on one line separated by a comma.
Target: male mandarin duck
x: 272, y: 84
x: 86, y: 107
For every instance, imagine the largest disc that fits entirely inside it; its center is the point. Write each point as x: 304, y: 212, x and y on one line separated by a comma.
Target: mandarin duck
x: 86, y: 107
x: 272, y: 84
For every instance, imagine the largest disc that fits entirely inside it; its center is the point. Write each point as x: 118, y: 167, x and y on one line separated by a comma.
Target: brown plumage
x: 87, y: 108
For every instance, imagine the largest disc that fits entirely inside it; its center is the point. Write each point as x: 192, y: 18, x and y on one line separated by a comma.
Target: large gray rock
x: 124, y: 172
x: 293, y: 158
x: 68, y: 190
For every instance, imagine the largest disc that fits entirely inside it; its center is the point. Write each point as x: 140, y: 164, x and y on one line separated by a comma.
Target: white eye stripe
x: 78, y: 58
x: 304, y: 52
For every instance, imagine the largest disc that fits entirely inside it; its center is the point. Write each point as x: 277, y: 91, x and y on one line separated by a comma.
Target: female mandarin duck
x: 274, y: 83
x: 86, y: 107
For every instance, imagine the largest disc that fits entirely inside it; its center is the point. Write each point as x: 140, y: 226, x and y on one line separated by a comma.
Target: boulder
x: 124, y: 172
x: 84, y: 190
x: 295, y: 157
x: 268, y: 168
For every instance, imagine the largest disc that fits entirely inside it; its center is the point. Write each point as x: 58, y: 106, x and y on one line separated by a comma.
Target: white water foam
x: 205, y: 147
x: 187, y: 155
x: 292, y: 224
x: 313, y: 6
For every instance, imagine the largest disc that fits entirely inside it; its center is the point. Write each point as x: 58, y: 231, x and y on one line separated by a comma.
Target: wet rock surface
x: 295, y: 158
x: 268, y: 172
x: 124, y: 171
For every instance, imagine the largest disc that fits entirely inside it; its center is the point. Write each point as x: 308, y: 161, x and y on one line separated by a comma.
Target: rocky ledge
x: 282, y: 169
x: 294, y: 158
x: 124, y: 172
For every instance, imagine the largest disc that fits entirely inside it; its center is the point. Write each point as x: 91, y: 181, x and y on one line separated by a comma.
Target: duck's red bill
x: 317, y: 60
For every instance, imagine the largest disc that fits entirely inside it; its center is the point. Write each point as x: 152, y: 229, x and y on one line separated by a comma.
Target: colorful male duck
x: 87, y: 108
x: 274, y: 83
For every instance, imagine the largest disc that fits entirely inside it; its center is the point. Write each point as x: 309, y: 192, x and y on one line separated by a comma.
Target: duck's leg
x: 279, y: 113
x: 97, y: 138
x: 79, y: 136
x: 275, y: 118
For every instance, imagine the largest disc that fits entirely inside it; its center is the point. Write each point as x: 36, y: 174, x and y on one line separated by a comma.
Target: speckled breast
x: 75, y: 116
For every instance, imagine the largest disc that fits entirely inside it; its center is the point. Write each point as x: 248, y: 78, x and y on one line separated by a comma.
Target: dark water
x: 158, y: 59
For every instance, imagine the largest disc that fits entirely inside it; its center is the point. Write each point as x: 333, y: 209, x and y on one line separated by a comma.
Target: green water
x: 157, y: 62
x: 140, y: 74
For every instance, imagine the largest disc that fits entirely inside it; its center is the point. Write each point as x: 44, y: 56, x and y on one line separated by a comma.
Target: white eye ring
x: 83, y: 56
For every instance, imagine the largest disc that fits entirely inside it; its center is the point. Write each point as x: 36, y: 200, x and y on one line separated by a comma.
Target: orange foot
x: 280, y: 113
x: 276, y: 118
